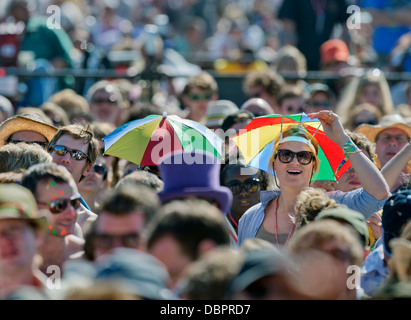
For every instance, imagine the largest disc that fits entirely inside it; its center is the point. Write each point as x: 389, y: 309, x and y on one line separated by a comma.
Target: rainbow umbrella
x: 256, y: 144
x: 145, y: 141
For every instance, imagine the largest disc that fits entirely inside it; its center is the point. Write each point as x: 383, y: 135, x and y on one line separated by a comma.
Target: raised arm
x: 393, y: 168
x: 368, y: 174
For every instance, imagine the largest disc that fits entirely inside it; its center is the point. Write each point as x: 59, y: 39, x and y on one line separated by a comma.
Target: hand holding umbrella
x: 331, y: 125
x: 368, y: 174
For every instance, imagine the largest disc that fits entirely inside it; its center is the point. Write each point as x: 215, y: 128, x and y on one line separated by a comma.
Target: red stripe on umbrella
x: 162, y: 141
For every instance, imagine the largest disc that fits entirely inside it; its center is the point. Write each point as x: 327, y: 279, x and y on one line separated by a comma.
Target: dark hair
x: 236, y: 117
x: 127, y: 198
x: 42, y: 171
x: 78, y: 131
x: 189, y: 221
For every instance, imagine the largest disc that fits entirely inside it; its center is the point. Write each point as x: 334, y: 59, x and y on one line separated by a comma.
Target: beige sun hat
x: 386, y: 122
x: 23, y: 122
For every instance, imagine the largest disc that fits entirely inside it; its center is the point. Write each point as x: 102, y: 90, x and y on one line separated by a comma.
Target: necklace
x: 275, y: 225
x: 232, y: 220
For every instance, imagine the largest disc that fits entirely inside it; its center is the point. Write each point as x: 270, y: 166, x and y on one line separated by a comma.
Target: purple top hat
x: 193, y: 174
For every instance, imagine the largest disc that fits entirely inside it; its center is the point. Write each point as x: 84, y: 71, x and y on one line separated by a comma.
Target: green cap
x: 352, y: 217
x: 17, y: 202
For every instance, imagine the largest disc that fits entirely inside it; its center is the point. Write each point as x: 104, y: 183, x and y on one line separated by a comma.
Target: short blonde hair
x: 310, y: 202
x: 320, y: 232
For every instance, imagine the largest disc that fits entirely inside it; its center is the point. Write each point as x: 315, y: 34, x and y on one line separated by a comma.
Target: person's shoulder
x: 36, y: 23
x: 75, y: 245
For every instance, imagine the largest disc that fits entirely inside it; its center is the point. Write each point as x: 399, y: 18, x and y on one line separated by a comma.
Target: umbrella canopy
x: 146, y: 141
x: 256, y: 144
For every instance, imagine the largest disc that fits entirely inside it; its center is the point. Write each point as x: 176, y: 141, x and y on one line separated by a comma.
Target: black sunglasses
x: 99, y: 169
x: 42, y: 144
x: 325, y: 104
x: 303, y: 157
x: 107, y: 241
x: 59, y: 205
x: 370, y: 122
x: 250, y: 185
x: 75, y: 154
x: 200, y: 96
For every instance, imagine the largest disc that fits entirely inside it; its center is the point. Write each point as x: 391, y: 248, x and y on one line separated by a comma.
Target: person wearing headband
x: 295, y: 163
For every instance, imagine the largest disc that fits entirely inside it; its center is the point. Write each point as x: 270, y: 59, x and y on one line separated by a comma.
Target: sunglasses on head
x: 303, y: 157
x: 250, y: 185
x: 59, y: 205
x: 75, y: 154
x: 200, y: 96
x: 42, y: 144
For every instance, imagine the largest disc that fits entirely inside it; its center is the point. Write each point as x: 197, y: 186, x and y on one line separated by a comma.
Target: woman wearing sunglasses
x: 295, y: 162
x: 245, y: 185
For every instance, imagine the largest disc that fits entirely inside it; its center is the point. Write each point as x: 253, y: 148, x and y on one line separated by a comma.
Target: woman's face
x: 370, y: 94
x: 245, y: 188
x: 293, y: 174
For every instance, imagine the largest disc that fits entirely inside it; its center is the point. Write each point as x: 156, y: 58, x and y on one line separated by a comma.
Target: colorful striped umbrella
x: 256, y: 144
x: 146, y: 141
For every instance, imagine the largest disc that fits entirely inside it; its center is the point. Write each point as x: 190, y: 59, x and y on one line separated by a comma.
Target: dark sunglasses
x: 370, y: 122
x: 59, y: 205
x: 99, y: 169
x: 303, y: 157
x: 111, y: 100
x: 325, y: 104
x: 200, y: 96
x: 250, y: 185
x: 107, y: 241
x: 75, y: 154
x: 299, y: 109
x: 42, y: 144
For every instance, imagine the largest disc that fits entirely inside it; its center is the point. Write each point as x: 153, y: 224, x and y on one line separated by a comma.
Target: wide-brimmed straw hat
x: 386, y: 122
x: 24, y: 122
x: 17, y: 202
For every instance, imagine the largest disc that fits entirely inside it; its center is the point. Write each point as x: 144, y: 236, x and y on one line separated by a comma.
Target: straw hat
x: 386, y: 122
x: 30, y: 122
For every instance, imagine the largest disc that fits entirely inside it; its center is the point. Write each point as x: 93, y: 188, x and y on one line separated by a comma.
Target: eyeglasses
x: 295, y: 109
x: 370, y: 122
x: 325, y: 104
x: 99, y: 169
x: 42, y: 144
x: 250, y: 185
x: 75, y: 154
x: 200, y: 96
x: 59, y: 205
x: 303, y: 157
x: 111, y: 100
x: 107, y: 241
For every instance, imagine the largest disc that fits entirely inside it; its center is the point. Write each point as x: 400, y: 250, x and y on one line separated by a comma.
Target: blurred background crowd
x: 73, y: 71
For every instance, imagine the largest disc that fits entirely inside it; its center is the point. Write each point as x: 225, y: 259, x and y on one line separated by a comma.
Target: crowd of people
x: 77, y: 223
